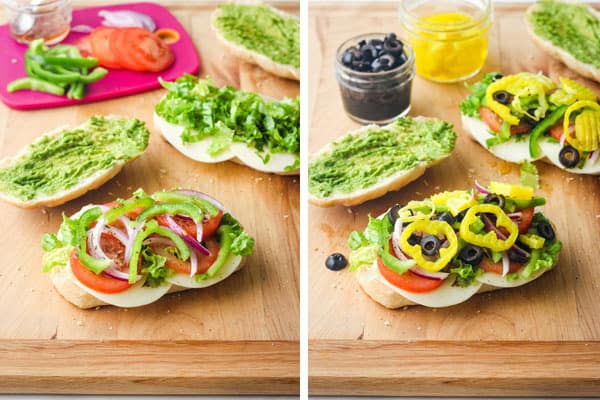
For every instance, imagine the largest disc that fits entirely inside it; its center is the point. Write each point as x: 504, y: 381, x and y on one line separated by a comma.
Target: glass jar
x: 34, y: 19
x: 449, y: 37
x: 375, y: 97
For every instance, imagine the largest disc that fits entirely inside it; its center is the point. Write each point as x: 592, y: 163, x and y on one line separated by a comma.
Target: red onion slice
x: 594, y: 156
x: 193, y: 243
x: 82, y: 28
x: 481, y: 188
x: 202, y: 196
x: 436, y: 276
x: 199, y: 226
x: 505, y: 263
x: 396, y: 240
x: 193, y: 262
x: 127, y: 18
x: 490, y: 226
x: 562, y: 140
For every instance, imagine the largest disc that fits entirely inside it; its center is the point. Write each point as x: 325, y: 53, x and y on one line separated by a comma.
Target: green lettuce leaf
x: 378, y: 231
x: 470, y: 105
x: 242, y: 244
x: 57, y: 257
x: 465, y: 273
x: 155, y: 266
x: 364, y: 255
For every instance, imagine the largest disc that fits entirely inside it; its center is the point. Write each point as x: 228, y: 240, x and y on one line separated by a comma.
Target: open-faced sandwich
x: 131, y: 252
x: 526, y: 117
x: 211, y: 124
x: 373, y: 160
x: 444, y: 249
x: 568, y: 31
x: 261, y: 35
x: 67, y: 162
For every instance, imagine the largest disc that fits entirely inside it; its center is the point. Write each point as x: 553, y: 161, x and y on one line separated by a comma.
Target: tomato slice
x: 204, y: 262
x: 101, y: 47
x: 140, y: 50
x: 557, y: 130
x: 496, y: 268
x: 525, y: 220
x: 494, y: 122
x: 408, y: 281
x: 209, y: 227
x: 85, y: 46
x: 102, y: 282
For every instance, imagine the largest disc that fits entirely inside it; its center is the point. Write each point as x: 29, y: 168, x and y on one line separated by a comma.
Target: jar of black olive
x: 375, y: 97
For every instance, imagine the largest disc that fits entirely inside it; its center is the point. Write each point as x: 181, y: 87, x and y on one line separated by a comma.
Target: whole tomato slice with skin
x: 184, y: 267
x: 102, y: 282
x: 407, y: 281
x: 494, y: 122
x: 141, y: 50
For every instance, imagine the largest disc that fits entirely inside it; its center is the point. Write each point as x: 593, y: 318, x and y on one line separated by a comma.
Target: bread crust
x: 282, y: 70
x: 62, y: 279
x: 389, y: 184
x: 90, y: 183
x: 587, y: 70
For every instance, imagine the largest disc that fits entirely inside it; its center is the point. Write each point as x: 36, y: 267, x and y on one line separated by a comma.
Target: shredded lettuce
x: 356, y: 240
x: 229, y: 115
x: 58, y: 256
x: 529, y: 175
x: 378, y: 230
x: 471, y: 104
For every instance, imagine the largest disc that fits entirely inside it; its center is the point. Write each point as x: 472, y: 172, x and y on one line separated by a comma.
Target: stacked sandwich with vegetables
x: 131, y: 252
x: 211, y: 124
x: 527, y: 117
x: 442, y: 250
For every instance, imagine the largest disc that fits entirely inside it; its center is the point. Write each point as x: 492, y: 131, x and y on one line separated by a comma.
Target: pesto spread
x: 570, y: 26
x: 359, y: 161
x: 261, y: 29
x: 58, y: 162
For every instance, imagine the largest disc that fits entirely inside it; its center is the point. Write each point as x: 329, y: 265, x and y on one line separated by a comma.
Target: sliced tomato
x: 102, y: 282
x: 496, y: 268
x: 408, y: 281
x: 210, y: 226
x: 557, y: 130
x: 85, y: 46
x: 140, y: 50
x: 204, y: 262
x: 494, y: 122
x: 101, y: 47
x: 525, y: 220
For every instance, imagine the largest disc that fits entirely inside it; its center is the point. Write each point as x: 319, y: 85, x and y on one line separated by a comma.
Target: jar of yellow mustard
x: 449, y: 37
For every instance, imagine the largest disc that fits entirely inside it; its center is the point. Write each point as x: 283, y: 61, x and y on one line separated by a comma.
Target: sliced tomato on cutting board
x: 101, y: 48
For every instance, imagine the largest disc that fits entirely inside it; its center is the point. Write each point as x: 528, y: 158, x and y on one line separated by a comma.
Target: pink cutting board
x: 117, y: 82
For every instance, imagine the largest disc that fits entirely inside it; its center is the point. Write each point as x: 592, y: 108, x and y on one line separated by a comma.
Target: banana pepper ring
x: 587, y: 125
x: 489, y: 239
x: 433, y: 228
x: 416, y: 210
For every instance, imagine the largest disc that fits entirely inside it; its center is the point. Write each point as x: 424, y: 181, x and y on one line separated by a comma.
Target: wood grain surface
x: 240, y: 336
x: 352, y: 338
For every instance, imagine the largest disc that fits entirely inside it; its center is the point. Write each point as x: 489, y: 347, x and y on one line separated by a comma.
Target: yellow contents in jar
x: 449, y: 46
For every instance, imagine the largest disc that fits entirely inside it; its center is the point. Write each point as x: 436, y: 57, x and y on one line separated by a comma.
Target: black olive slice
x: 336, y: 262
x: 569, y: 156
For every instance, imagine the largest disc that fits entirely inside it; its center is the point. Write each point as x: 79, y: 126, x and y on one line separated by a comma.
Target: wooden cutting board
x: 240, y: 336
x: 542, y: 339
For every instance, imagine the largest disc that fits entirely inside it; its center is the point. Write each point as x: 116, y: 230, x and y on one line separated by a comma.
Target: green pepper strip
x: 521, y: 204
x: 128, y: 205
x: 91, y: 263
x: 39, y: 72
x: 224, y: 250
x: 172, y: 209
x: 97, y: 74
x: 35, y: 84
x: 543, y: 126
x: 68, y: 62
x: 393, y: 263
x: 153, y: 228
x: 171, y: 197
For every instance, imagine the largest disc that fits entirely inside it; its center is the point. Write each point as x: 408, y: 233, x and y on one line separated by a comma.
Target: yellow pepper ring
x: 411, y: 206
x: 489, y: 239
x: 579, y: 142
x: 433, y: 228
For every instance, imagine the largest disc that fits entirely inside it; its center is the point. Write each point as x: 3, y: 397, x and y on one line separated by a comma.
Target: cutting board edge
x: 186, y: 367
x: 457, y: 368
